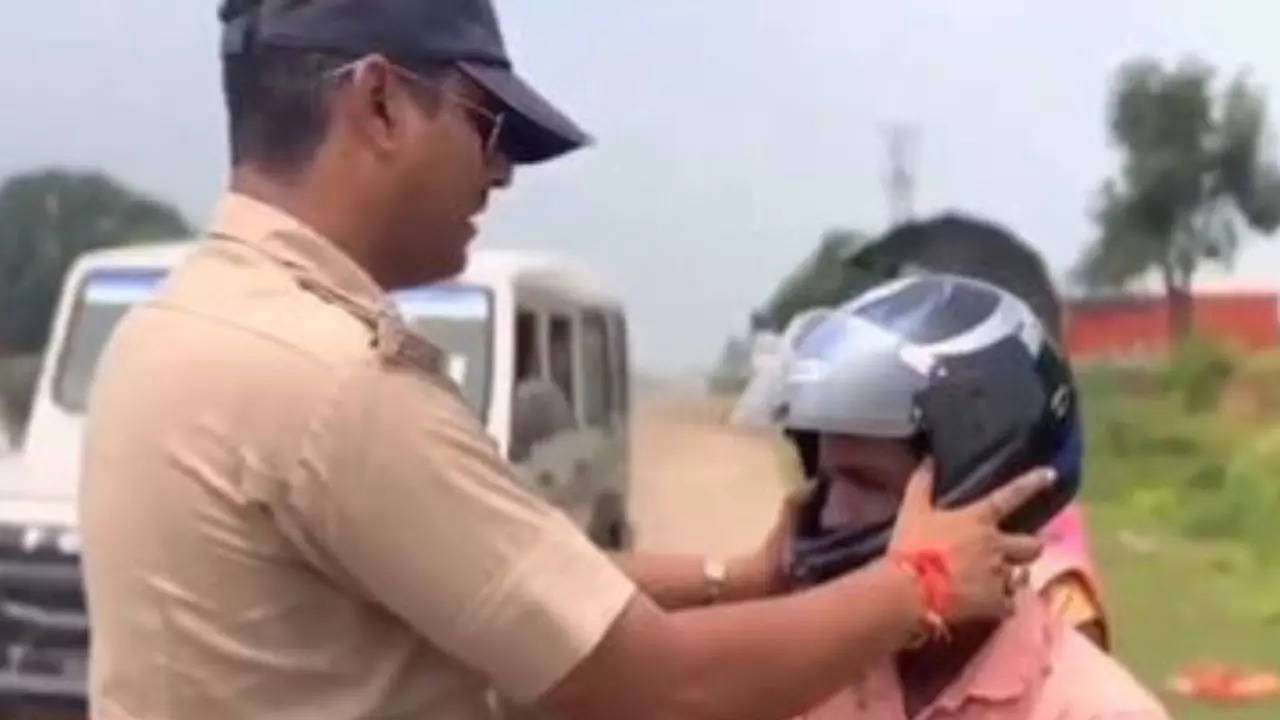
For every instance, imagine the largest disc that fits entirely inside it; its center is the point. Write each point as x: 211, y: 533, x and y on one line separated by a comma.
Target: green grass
x: 1185, y: 601
x: 1183, y: 501
x: 1185, y: 514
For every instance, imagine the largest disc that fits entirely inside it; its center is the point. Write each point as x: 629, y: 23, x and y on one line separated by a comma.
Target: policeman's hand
x: 985, y: 563
x: 770, y: 565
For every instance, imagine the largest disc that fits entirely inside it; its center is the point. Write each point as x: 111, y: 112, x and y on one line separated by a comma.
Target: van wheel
x: 609, y: 526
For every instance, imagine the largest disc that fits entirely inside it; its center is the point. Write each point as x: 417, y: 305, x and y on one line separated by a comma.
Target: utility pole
x: 900, y: 182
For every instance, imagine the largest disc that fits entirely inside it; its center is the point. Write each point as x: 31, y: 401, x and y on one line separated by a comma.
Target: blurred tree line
x: 48, y: 218
x: 1196, y: 169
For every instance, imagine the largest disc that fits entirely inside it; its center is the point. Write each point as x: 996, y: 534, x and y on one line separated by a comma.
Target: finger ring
x: 1015, y: 579
x: 1024, y: 576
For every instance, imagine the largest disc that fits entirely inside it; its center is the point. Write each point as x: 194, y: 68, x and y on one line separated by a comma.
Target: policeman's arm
x: 763, y: 659
x: 780, y: 657
x: 676, y: 581
x: 402, y: 493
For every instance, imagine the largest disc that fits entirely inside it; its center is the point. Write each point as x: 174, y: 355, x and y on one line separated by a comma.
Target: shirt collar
x: 292, y: 243
x: 1006, y: 668
x: 1011, y: 663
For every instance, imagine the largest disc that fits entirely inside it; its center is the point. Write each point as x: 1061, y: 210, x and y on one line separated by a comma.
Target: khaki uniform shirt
x: 287, y: 512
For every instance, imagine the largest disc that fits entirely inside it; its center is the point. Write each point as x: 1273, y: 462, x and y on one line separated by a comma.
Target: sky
x: 730, y: 133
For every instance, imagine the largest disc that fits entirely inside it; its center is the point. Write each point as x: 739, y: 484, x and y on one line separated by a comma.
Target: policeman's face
x: 447, y: 174
x: 867, y: 478
x: 433, y: 172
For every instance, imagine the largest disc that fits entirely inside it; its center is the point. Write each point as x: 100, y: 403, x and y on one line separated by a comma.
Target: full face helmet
x: 960, y: 369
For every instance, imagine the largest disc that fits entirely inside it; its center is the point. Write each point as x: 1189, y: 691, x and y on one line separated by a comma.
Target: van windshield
x: 457, y: 318
x: 104, y: 298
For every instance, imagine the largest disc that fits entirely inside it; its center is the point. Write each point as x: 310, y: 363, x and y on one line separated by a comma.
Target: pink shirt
x: 1032, y: 668
x: 1067, y: 550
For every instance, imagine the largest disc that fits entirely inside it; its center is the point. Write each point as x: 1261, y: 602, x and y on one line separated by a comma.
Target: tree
x: 733, y: 370
x: 1192, y: 173
x: 822, y: 278
x: 847, y: 263
x: 47, y: 219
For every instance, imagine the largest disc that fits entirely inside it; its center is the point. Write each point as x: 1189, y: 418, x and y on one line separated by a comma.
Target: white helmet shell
x: 859, y: 369
x: 759, y: 401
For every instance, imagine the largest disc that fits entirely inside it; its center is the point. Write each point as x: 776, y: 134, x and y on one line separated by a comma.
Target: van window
x: 597, y: 388
x: 457, y: 318
x: 560, y: 350
x: 528, y: 346
x: 453, y: 316
x: 538, y: 414
x: 104, y: 298
x: 622, y: 382
x: 540, y: 408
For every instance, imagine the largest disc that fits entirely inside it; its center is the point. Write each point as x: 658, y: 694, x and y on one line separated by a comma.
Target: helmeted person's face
x: 867, y: 478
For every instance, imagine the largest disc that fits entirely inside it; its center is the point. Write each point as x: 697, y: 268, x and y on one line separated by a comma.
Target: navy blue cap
x: 464, y: 32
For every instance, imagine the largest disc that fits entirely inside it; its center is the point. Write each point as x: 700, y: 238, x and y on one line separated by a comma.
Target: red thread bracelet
x: 933, y: 574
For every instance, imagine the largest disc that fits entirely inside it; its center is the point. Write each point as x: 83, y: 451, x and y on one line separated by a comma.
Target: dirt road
x: 699, y: 485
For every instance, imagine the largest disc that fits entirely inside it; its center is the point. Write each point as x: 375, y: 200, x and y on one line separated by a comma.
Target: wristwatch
x: 716, y: 574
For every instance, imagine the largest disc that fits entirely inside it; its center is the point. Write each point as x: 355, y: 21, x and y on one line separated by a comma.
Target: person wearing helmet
x: 950, y: 386
x: 1065, y: 575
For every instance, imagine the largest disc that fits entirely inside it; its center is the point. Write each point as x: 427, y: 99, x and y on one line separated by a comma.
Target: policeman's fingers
x: 1004, y: 501
x: 1019, y: 549
x: 917, y: 497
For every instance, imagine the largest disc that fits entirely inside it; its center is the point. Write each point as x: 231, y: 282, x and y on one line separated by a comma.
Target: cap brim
x: 536, y: 130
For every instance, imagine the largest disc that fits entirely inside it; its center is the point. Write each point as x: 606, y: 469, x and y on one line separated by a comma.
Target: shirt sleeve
x: 1088, y: 684
x: 1069, y: 600
x: 410, y: 498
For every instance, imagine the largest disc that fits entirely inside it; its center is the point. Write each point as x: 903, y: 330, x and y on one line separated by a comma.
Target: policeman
x: 289, y: 512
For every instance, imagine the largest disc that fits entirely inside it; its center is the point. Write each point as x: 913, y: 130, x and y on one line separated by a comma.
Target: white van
x: 536, y: 344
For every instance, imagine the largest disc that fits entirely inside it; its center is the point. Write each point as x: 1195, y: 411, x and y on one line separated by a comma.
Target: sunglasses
x: 487, y: 124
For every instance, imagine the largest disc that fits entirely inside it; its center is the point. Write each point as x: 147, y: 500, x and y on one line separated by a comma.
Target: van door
x: 607, y: 431
x: 565, y: 362
x: 621, y: 368
x: 546, y: 440
x: 622, y: 386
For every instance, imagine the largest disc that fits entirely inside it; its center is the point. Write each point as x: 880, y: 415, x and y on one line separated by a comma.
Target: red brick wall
x: 1139, y: 326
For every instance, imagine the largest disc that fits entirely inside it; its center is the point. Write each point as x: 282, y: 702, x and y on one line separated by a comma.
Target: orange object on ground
x: 1220, y: 682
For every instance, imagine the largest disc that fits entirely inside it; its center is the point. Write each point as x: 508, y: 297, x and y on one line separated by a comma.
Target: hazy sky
x: 731, y: 132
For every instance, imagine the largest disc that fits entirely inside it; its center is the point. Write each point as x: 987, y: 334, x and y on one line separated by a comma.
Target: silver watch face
x: 715, y: 571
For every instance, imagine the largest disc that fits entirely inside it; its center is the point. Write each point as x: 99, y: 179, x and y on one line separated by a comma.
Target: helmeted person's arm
x: 412, y: 502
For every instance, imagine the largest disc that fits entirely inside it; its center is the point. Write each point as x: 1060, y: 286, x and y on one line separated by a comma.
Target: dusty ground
x: 699, y: 485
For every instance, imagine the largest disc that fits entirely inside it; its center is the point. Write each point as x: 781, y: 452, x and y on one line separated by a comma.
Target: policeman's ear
x: 375, y: 105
